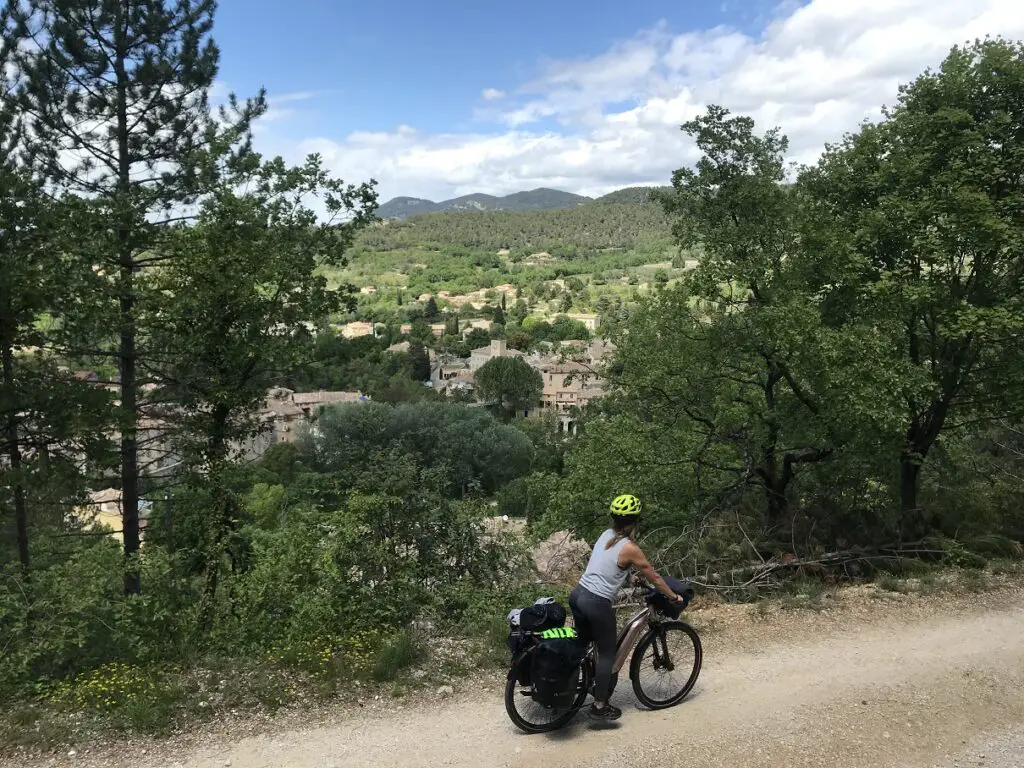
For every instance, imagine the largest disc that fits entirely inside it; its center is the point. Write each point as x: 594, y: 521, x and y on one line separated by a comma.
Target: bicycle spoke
x: 537, y: 717
x: 533, y: 712
x: 667, y: 665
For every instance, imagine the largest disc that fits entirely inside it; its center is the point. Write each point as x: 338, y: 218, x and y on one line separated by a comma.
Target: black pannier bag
x: 554, y: 670
x: 524, y: 623
x: 518, y: 643
x: 523, y: 669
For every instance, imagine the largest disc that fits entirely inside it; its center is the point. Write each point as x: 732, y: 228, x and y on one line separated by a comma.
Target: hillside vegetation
x: 634, y: 195
x: 609, y: 249
x: 563, y: 233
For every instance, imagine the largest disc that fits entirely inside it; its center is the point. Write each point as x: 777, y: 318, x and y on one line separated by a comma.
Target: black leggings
x: 594, y: 618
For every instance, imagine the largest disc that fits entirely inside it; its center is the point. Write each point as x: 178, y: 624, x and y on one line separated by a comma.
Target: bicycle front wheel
x: 666, y: 664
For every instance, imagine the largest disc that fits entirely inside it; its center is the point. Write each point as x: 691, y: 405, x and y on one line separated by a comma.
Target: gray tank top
x: 603, y: 576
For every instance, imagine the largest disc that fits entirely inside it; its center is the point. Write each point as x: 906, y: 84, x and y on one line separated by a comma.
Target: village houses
x: 281, y: 417
x: 569, y: 376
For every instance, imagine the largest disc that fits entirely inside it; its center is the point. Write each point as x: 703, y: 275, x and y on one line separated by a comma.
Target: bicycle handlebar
x: 682, y: 588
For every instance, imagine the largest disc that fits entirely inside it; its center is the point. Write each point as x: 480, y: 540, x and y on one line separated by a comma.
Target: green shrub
x: 888, y: 582
x: 74, y: 617
x: 401, y: 651
x: 994, y: 546
x: 495, y: 650
x: 126, y: 696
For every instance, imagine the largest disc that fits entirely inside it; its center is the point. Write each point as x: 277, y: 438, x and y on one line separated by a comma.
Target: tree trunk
x: 14, y: 456
x: 129, y: 441
x: 920, y: 437
x: 126, y: 349
x: 777, y: 503
x: 910, y: 472
x: 911, y: 518
x: 223, y: 523
x: 774, y: 484
x: 224, y: 513
x: 204, y: 620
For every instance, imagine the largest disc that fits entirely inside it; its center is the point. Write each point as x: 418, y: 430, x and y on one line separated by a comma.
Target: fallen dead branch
x: 774, y: 574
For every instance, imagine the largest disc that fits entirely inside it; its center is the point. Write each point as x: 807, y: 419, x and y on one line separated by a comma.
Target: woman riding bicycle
x: 592, y: 601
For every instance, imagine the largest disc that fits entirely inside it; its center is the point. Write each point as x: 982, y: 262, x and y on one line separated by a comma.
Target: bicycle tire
x: 638, y: 656
x: 511, y: 689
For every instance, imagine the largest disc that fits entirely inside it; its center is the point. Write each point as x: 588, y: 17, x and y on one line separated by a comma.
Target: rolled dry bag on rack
x: 541, y: 616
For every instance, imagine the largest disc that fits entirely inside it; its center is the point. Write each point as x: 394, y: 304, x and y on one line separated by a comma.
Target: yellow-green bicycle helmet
x: 626, y: 504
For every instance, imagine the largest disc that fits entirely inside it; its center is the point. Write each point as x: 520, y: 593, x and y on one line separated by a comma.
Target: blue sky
x: 443, y: 98
x: 377, y: 66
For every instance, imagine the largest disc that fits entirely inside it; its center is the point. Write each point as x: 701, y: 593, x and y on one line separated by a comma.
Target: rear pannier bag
x: 519, y: 642
x: 527, y: 626
x: 554, y: 668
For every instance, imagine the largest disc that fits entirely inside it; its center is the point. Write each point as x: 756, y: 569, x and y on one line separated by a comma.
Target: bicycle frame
x: 628, y: 636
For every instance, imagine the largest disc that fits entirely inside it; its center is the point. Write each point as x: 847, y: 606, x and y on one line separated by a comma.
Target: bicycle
x: 660, y: 617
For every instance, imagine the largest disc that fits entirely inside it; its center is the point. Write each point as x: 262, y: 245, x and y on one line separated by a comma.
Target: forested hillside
x: 610, y: 250
x: 562, y: 232
x: 634, y: 195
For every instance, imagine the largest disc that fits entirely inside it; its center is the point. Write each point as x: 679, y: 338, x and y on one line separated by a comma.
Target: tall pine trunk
x: 116, y: 97
x: 126, y: 347
x: 129, y: 433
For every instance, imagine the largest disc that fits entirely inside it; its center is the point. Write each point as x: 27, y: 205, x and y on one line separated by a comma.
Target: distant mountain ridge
x: 534, y: 200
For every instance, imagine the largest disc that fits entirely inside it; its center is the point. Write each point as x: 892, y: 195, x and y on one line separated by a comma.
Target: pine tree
x: 45, y: 417
x: 115, y: 95
x: 10, y: 408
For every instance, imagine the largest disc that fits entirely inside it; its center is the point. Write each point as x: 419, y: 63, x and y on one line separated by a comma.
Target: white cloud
x: 284, y: 98
x: 817, y: 70
x: 281, y: 106
x: 492, y: 94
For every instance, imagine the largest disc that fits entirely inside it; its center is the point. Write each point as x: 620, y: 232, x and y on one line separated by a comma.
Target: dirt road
x: 909, y: 682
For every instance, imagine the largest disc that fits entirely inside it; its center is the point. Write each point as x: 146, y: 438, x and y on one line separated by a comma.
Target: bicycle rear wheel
x: 665, y: 664
x: 531, y: 717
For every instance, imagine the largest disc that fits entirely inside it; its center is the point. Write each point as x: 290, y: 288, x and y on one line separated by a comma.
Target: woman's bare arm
x: 635, y: 556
